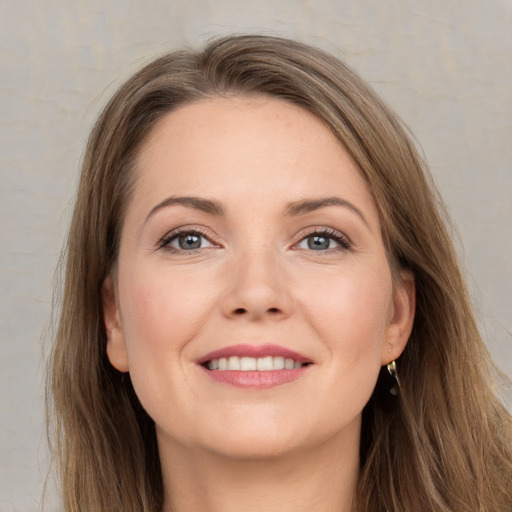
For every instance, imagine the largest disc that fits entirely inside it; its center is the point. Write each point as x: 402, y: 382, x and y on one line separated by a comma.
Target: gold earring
x: 392, y: 371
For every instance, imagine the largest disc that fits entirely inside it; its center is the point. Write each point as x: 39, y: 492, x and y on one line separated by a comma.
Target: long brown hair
x: 443, y: 445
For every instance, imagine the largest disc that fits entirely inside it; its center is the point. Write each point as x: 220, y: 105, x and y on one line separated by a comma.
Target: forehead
x: 256, y: 146
x: 235, y: 126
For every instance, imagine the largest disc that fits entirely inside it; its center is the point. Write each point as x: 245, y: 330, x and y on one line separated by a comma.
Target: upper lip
x: 255, y: 351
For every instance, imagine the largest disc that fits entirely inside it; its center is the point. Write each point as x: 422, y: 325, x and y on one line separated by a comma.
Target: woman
x: 262, y: 305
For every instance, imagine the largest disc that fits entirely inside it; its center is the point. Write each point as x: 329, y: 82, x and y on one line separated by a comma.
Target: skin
x: 254, y: 280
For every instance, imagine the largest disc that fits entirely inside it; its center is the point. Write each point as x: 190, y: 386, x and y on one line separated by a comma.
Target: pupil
x: 318, y: 242
x: 189, y: 241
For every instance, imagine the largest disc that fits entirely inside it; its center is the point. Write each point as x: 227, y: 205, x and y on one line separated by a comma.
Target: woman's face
x: 254, y: 304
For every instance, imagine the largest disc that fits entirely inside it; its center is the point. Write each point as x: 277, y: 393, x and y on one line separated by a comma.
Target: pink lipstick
x: 254, y: 366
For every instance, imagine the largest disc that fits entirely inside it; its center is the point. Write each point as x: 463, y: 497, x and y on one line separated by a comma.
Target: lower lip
x: 256, y: 379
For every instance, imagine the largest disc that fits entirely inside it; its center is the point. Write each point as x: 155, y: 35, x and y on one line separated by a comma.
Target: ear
x: 401, y: 317
x: 116, y: 347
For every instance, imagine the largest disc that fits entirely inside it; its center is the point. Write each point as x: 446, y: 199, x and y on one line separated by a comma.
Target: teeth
x: 247, y: 364
x: 279, y: 363
x: 264, y: 364
x: 234, y: 363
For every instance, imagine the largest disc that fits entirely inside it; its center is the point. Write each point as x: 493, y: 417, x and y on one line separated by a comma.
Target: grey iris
x: 318, y: 242
x: 189, y: 241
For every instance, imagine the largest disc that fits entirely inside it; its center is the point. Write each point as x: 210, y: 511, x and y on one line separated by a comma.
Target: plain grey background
x: 444, y: 65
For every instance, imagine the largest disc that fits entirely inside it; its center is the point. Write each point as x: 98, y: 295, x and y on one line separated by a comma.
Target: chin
x: 253, y: 436
x: 256, y: 448
x: 259, y: 440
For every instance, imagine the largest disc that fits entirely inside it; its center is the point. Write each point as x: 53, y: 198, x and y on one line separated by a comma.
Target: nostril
x: 240, y: 311
x: 273, y: 310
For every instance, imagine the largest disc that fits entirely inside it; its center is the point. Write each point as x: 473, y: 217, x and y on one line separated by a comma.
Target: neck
x: 321, y: 479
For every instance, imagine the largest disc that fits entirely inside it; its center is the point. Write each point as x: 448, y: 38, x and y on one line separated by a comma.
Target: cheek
x: 160, y: 314
x: 351, y: 313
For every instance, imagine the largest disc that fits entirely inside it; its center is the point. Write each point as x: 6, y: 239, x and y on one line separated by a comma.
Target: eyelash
x: 165, y: 242
x: 344, y: 243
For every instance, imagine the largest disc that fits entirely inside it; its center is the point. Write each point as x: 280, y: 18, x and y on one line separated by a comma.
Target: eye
x: 190, y: 240
x: 324, y: 241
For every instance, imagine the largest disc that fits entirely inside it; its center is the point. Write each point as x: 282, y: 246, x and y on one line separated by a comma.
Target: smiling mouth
x: 250, y: 364
x: 255, y: 367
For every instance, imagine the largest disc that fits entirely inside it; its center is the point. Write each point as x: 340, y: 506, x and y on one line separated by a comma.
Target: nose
x: 258, y: 288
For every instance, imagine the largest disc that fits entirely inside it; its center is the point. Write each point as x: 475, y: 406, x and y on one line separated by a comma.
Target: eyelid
x: 176, y: 232
x: 344, y: 242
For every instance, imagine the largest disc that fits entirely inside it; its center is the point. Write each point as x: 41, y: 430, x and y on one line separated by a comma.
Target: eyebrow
x: 295, y: 208
x: 198, y: 203
x: 310, y: 205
